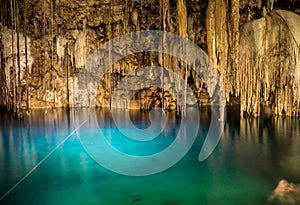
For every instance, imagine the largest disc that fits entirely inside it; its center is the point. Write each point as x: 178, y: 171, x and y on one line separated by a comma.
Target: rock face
x: 258, y: 60
x: 254, y: 46
x: 285, y: 194
x: 269, y: 62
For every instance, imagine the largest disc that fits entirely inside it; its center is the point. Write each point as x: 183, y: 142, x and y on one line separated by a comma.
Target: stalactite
x: 44, y: 33
x: 182, y: 30
x: 19, y: 89
x: 182, y: 18
x: 67, y: 66
x: 256, y: 79
x: 110, y: 36
x: 125, y: 14
x: 126, y: 84
x: 2, y: 11
x: 177, y: 86
x: 85, y: 33
x: 13, y: 57
x: 211, y: 32
x: 217, y: 39
x: 268, y: 65
x: 4, y: 98
x: 52, y: 51
x: 135, y: 18
x: 234, y: 36
x: 162, y: 16
x: 26, y: 56
x: 5, y: 13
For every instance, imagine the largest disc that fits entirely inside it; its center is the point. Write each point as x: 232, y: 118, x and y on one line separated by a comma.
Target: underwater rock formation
x: 285, y: 194
x: 254, y: 45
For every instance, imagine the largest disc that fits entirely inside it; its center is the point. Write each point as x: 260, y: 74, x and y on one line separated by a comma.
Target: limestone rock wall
x: 9, y: 58
x: 253, y: 46
x: 268, y: 71
x: 256, y: 51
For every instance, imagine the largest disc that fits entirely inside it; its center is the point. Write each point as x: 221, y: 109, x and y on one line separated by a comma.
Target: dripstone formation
x: 254, y: 45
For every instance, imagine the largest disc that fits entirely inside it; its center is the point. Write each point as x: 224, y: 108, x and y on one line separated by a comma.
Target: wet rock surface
x: 285, y: 194
x: 254, y: 46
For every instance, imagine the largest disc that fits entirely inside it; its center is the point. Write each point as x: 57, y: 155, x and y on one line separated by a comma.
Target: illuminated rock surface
x: 254, y: 45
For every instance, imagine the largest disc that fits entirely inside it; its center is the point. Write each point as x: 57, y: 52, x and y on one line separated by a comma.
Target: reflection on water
x: 24, y: 142
x: 252, y: 156
x: 280, y: 141
x: 271, y: 141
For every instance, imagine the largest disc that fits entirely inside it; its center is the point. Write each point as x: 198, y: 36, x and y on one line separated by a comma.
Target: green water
x: 252, y: 156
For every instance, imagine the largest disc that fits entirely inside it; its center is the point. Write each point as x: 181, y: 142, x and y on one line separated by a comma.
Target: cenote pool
x: 251, y: 157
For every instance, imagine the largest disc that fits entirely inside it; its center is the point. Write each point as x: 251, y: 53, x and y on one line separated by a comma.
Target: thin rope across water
x: 38, y: 164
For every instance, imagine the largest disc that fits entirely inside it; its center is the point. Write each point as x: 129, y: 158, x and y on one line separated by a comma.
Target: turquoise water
x: 252, y: 156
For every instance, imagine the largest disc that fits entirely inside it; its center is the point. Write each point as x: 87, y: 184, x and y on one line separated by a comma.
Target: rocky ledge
x: 285, y: 194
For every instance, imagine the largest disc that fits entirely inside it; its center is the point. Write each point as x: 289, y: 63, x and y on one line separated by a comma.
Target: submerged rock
x: 285, y: 194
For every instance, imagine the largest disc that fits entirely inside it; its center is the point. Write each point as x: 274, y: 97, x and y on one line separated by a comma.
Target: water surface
x: 252, y: 156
